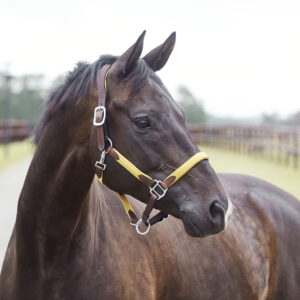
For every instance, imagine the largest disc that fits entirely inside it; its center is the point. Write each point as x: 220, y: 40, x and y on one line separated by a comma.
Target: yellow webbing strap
x: 126, y: 204
x: 100, y: 178
x: 105, y: 80
x: 131, y: 168
x: 186, y: 166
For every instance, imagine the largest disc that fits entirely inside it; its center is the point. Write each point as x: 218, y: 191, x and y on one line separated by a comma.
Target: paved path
x: 11, y: 182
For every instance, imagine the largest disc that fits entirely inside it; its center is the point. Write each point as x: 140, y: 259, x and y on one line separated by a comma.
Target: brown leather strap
x: 101, y: 102
x: 100, y: 136
x: 133, y: 217
x: 168, y: 182
x: 101, y: 84
x: 99, y: 171
x: 110, y: 150
x: 146, y: 180
x: 148, y: 209
x: 158, y: 218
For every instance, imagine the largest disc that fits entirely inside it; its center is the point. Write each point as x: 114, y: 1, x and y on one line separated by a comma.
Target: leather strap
x: 101, y: 84
x: 161, y: 216
x: 100, y: 114
x: 148, y: 209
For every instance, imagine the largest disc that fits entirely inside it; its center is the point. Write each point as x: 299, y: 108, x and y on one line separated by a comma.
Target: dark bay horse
x: 72, y: 239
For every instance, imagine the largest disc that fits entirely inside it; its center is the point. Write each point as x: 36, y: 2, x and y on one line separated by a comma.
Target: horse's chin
x: 196, y: 230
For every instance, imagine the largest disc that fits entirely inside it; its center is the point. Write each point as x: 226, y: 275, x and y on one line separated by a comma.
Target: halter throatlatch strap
x: 157, y: 188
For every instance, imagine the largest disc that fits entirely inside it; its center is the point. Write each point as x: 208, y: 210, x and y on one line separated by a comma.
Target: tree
x: 25, y: 101
x: 193, y: 107
x: 270, y: 119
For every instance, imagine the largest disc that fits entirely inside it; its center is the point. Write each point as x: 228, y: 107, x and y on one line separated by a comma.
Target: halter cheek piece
x: 157, y: 188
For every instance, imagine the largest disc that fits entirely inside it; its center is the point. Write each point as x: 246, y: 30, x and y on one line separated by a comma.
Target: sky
x: 240, y: 57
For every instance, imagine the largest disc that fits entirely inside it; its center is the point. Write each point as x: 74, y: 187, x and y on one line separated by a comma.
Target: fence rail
x: 280, y: 143
x: 14, y: 130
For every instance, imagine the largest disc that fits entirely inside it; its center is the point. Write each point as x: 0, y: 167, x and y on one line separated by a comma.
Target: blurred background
x: 235, y: 70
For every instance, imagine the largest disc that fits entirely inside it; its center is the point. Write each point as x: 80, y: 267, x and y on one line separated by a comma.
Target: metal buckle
x: 161, y: 192
x: 101, y: 163
x: 99, y: 108
x: 138, y: 223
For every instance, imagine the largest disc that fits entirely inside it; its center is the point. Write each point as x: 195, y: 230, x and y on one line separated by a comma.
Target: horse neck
x: 58, y: 181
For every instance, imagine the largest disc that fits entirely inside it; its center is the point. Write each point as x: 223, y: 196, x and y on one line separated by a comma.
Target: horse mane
x: 78, y: 84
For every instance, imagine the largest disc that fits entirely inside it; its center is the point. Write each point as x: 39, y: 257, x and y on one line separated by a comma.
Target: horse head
x: 148, y: 127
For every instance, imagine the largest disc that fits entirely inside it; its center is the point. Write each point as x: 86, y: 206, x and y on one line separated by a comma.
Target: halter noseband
x: 157, y: 188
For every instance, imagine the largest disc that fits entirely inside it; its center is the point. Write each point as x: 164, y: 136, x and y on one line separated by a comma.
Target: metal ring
x: 138, y: 223
x: 111, y: 144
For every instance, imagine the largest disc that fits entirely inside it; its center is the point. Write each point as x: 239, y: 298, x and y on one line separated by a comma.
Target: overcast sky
x: 240, y: 57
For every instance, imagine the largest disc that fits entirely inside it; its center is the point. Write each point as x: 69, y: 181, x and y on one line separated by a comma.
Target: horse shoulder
x: 271, y: 219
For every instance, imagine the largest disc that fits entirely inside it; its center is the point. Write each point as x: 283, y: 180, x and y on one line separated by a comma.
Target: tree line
x: 21, y: 98
x: 26, y: 96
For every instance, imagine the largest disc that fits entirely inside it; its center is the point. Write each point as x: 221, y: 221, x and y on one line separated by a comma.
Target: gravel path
x: 11, y: 182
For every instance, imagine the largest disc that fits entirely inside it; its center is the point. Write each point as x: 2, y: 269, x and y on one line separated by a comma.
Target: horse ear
x: 158, y: 57
x: 128, y: 60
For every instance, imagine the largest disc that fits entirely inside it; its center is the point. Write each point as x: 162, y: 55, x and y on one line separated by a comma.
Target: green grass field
x: 14, y: 152
x: 282, y: 176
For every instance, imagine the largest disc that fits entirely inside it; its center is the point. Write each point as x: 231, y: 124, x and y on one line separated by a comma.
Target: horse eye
x: 142, y: 122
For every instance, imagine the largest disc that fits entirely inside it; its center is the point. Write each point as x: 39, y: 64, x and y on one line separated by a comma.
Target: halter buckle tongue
x: 158, y: 189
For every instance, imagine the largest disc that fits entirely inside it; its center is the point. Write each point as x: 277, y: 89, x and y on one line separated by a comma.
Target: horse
x: 72, y: 238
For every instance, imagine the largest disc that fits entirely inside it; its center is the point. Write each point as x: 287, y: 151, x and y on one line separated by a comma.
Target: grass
x: 14, y: 152
x: 280, y: 175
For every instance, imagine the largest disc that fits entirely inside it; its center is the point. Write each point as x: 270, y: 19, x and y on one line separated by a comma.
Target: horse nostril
x: 217, y: 213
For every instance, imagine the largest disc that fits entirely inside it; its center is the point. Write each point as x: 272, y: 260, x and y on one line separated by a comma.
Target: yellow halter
x: 157, y: 188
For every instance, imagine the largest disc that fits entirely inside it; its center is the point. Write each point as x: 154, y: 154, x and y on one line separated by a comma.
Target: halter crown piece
x: 157, y: 188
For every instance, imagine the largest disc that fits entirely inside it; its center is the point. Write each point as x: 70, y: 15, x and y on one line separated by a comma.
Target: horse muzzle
x: 202, y: 221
